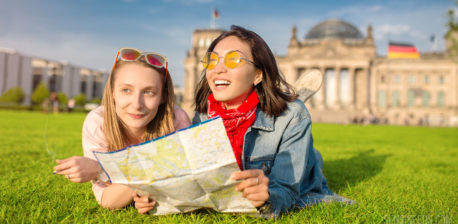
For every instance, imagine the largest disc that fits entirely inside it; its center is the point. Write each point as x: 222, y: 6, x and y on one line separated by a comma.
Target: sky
x: 88, y: 33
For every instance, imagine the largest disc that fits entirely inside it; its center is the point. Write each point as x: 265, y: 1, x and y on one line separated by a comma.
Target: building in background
x: 359, y: 86
x: 27, y: 72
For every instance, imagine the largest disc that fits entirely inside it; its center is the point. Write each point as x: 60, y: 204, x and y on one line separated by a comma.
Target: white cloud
x: 391, y: 29
x: 354, y: 10
x: 76, y: 48
x: 375, y: 8
x: 189, y: 2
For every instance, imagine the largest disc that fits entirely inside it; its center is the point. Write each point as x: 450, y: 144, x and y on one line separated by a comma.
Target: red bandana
x: 236, y: 121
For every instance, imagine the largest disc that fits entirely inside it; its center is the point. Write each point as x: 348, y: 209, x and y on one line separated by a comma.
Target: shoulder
x: 93, y: 121
x: 96, y: 113
x: 295, y: 110
x: 199, y: 117
x: 181, y: 118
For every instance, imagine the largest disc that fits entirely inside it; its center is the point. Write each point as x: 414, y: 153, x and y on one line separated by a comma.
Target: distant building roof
x: 334, y: 29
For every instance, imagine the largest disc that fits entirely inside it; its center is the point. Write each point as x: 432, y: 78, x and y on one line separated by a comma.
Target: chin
x: 220, y: 98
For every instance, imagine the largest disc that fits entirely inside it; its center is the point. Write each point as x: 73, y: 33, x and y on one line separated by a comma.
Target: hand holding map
x: 183, y: 171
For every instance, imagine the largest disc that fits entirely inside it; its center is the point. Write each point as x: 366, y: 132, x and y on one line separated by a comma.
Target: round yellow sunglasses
x: 232, y: 59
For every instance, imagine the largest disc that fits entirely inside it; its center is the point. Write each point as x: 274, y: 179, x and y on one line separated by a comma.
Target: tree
x: 40, y: 94
x: 96, y: 100
x: 452, y: 34
x: 13, y: 95
x: 62, y: 98
x: 80, y: 99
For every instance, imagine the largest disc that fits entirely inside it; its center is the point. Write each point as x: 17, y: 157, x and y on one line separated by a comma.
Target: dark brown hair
x: 273, y: 91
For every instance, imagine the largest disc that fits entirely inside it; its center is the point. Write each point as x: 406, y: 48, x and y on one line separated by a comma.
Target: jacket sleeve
x: 290, y: 163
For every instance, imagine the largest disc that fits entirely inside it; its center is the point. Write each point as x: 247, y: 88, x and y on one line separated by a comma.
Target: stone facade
x: 27, y: 72
x: 358, y: 85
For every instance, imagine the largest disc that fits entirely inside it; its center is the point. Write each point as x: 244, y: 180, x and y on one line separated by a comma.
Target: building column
x: 351, y: 77
x: 365, y: 93
x: 45, y: 74
x: 89, y: 86
x: 374, y: 86
x: 322, y: 103
x: 27, y: 79
x: 3, y: 72
x: 337, y: 100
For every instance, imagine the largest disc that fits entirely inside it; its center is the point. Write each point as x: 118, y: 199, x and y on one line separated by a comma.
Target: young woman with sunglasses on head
x: 137, y: 105
x: 269, y: 130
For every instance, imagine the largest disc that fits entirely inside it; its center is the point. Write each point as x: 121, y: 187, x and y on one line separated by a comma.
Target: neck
x: 135, y: 136
x: 234, y: 103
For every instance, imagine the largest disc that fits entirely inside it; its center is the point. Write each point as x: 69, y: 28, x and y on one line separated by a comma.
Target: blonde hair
x: 115, y: 130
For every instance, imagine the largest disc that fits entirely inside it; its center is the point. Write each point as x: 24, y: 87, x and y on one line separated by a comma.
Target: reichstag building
x: 359, y: 86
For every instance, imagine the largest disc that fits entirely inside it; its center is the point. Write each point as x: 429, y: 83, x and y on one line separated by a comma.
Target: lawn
x: 396, y: 175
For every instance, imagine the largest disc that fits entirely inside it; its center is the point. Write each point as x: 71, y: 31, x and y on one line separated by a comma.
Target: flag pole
x: 212, y: 21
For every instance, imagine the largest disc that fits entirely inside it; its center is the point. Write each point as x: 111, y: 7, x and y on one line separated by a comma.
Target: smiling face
x: 137, y: 92
x: 232, y: 86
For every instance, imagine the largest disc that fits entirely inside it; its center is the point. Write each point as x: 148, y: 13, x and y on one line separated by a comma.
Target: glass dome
x: 334, y: 29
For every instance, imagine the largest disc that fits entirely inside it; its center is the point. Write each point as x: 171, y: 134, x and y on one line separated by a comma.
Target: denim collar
x: 263, y: 121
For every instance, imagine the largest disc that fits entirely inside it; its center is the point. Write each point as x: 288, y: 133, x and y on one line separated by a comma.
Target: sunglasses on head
x: 131, y: 54
x: 232, y: 59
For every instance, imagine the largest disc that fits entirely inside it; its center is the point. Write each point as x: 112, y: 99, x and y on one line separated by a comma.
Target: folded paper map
x: 183, y: 171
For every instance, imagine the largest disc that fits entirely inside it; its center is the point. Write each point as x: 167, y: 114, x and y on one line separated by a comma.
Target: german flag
x: 402, y: 50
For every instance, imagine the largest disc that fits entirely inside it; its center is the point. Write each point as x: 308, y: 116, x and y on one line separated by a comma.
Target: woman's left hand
x: 254, y: 186
x: 143, y: 203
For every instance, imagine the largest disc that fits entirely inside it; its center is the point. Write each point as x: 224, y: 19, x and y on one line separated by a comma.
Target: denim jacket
x: 282, y: 147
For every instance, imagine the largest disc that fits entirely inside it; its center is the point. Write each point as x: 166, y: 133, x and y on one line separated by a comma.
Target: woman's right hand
x: 78, y: 169
x: 143, y: 203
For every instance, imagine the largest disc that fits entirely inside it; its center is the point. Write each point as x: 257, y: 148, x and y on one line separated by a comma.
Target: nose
x: 138, y: 101
x: 220, y: 67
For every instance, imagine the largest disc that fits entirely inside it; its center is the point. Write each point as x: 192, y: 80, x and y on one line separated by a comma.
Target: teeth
x: 222, y: 82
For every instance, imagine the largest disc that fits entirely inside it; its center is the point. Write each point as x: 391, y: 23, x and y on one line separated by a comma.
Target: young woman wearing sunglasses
x: 138, y: 105
x: 269, y: 130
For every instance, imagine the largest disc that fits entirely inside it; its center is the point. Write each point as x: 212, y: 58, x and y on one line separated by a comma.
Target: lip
x: 136, y: 116
x: 221, y: 87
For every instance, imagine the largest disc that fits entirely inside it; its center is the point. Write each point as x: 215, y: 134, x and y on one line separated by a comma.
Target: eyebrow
x: 130, y: 85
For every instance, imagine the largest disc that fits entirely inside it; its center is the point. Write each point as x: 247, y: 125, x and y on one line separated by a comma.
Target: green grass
x: 396, y: 175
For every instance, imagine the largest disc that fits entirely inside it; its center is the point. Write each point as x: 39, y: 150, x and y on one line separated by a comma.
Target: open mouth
x: 222, y: 83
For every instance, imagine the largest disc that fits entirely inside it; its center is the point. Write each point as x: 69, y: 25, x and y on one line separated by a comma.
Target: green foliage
x: 62, y: 98
x: 40, y: 94
x: 396, y: 175
x: 80, y: 99
x: 452, y: 34
x: 96, y: 100
x: 13, y: 95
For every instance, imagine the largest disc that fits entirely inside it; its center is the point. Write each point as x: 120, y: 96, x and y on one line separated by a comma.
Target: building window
x: 440, y: 99
x: 411, y: 79
x: 426, y: 79
x: 381, y: 98
x: 441, y: 79
x: 396, y: 98
x: 396, y: 79
x: 83, y: 87
x: 36, y: 81
x: 382, y: 79
x: 53, y: 83
x: 426, y: 98
x: 94, y: 89
x: 410, y: 98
